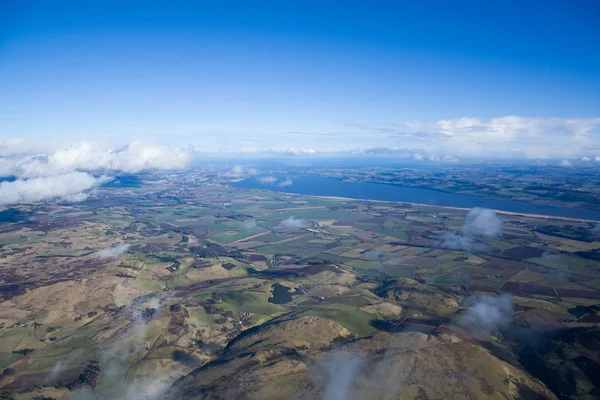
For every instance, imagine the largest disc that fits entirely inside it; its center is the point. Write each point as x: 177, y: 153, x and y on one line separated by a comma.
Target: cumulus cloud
x: 486, y: 314
x: 75, y: 198
x: 565, y: 163
x: 479, y: 222
x: 63, y: 173
x: 241, y: 170
x: 112, y: 252
x: 293, y: 223
x: 267, y: 180
x: 461, y: 242
x: 249, y: 224
x: 69, y: 186
x: 286, y: 182
x: 86, y: 156
x: 482, y: 222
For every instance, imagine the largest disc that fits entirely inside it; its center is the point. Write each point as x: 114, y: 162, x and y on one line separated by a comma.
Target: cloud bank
x: 505, y: 136
x: 447, y: 140
x: 87, y: 156
x: 68, y: 187
x: 64, y: 173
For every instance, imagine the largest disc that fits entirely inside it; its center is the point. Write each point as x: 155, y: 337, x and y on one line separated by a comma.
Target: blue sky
x: 463, y: 77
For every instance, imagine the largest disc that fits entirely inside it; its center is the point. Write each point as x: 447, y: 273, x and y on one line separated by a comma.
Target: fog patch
x: 293, y: 223
x: 487, y: 314
x: 287, y: 182
x: 461, y: 242
x: 249, y: 224
x: 549, y: 256
x: 372, y: 255
x: 238, y: 170
x: 267, y: 180
x: 352, y: 376
x: 341, y: 369
x: 112, y: 252
x: 242, y: 170
x: 117, y: 357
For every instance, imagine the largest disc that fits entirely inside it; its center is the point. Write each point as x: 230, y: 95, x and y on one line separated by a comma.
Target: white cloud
x: 505, y: 136
x: 456, y: 241
x: 241, y: 170
x: 87, y: 156
x: 565, y: 163
x: 482, y: 222
x: 267, y: 180
x: 293, y: 223
x: 287, y: 182
x: 487, y: 314
x: 111, y: 252
x: 479, y: 222
x: 249, y: 224
x: 69, y: 186
x: 62, y: 172
x: 444, y: 158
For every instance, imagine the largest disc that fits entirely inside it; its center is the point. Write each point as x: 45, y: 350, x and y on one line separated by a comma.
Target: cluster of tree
x: 147, y: 313
x: 229, y: 266
x: 212, y: 250
x: 184, y: 357
x: 23, y: 352
x: 579, y: 233
x: 174, y: 265
x: 4, y: 395
x: 211, y: 309
x: 89, y: 377
x: 122, y: 275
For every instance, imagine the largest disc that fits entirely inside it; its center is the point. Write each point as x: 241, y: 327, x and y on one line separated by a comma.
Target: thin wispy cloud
x: 505, y: 136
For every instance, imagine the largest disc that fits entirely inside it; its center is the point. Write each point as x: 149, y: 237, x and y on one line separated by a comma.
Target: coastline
x: 550, y: 217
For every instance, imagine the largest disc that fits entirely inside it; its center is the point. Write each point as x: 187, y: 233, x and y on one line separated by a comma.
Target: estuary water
x: 322, y: 186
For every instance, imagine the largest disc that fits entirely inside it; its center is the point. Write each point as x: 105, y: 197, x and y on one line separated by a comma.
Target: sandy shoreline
x: 448, y: 207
